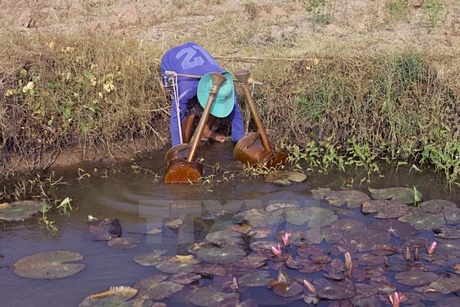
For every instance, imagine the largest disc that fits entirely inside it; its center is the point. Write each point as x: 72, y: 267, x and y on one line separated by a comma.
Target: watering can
x: 181, y: 164
x: 254, y: 147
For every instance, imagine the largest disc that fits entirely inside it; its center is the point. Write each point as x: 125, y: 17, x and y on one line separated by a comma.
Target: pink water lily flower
x: 432, y: 247
x: 285, y: 238
x: 395, y: 299
x: 277, y: 250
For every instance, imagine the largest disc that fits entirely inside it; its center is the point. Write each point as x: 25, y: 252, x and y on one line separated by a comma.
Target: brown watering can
x: 254, y: 148
x: 181, y: 165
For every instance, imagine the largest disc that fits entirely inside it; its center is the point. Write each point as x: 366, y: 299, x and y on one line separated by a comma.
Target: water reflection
x: 141, y: 205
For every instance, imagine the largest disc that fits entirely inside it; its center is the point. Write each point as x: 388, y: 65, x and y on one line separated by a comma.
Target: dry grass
x: 323, y: 78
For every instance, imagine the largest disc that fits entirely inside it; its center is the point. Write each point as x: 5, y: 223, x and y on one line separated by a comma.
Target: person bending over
x: 181, y: 67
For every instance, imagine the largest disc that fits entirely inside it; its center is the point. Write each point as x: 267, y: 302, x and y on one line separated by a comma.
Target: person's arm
x: 237, y: 122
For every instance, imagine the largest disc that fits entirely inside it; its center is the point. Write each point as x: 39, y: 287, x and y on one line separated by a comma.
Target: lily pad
x: 281, y: 207
x: 105, y: 230
x: 224, y: 237
x: 203, y: 296
x: 445, y: 284
x: 415, y: 277
x: 19, y: 210
x: 226, y: 254
x: 386, y: 209
x: 123, y: 243
x: 150, y: 258
x: 452, y: 216
x: 114, y: 296
x: 367, y: 240
x: 156, y: 287
x: 317, y: 235
x: 334, y: 289
x: 275, y: 176
x: 178, y: 264
x: 257, y: 218
x: 255, y: 279
x: 288, y: 290
x: 49, y: 265
x: 447, y: 232
x: 252, y: 261
x: 398, y: 194
x: 313, y: 216
x: 448, y: 302
x: 436, y: 206
x: 184, y: 278
x: 352, y: 198
x: 349, y: 225
x: 422, y: 220
x: 397, y: 228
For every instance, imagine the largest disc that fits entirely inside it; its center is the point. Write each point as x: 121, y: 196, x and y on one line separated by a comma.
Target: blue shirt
x: 192, y: 59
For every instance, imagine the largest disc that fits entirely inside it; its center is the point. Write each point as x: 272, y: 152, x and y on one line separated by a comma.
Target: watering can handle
x: 217, y: 80
x: 243, y: 76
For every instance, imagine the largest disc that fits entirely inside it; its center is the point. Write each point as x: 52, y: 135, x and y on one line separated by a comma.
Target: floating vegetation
x: 178, y: 264
x: 416, y: 277
x: 226, y: 254
x: 114, y: 296
x: 398, y: 194
x: 123, y: 243
x: 156, y: 287
x: 19, y: 210
x: 285, y: 178
x: 49, y: 265
x: 386, y: 209
x: 422, y: 220
x: 255, y: 279
x: 104, y: 230
x: 150, y: 258
x: 312, y: 216
x: 203, y: 296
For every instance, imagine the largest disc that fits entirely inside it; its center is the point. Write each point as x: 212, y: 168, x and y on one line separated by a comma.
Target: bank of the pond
x: 340, y: 86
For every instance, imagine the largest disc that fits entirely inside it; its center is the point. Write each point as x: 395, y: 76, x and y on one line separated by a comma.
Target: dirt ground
x: 361, y: 25
x: 352, y: 26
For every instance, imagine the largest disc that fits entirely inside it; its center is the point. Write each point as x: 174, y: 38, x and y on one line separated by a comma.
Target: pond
x: 190, y: 242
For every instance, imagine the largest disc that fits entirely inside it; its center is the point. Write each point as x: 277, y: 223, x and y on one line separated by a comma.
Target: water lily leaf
x: 367, y: 240
x: 317, y: 235
x: 450, y: 248
x: 19, y: 210
x: 224, y: 237
x: 105, y: 230
x: 281, y: 207
x: 184, y: 278
x: 49, y: 265
x: 114, y: 296
x: 288, y: 290
x: 150, y: 258
x: 252, y: 261
x: 399, y: 229
x: 174, y: 224
x: 422, y: 220
x: 203, y: 296
x: 415, y: 277
x: 225, y: 254
x: 209, y: 270
x: 436, y: 206
x: 313, y: 216
x: 123, y: 243
x: 352, y: 198
x: 448, y: 302
x: 157, y: 287
x: 349, y: 225
x: 333, y: 289
x: 282, y: 175
x: 445, y: 284
x: 398, y: 194
x: 255, y: 279
x: 321, y: 193
x: 386, y: 209
x: 452, y: 216
x: 257, y: 218
x: 447, y: 232
x: 178, y: 264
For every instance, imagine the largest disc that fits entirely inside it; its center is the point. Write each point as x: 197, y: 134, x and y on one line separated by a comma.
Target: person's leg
x: 208, y: 133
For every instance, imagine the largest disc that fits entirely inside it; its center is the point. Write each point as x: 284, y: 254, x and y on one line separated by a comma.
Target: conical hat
x: 225, y: 98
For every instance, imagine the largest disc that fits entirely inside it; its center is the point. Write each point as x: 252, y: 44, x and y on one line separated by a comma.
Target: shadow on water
x: 142, y: 204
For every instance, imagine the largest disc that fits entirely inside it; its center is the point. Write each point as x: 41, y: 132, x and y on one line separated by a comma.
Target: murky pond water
x: 142, y: 205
